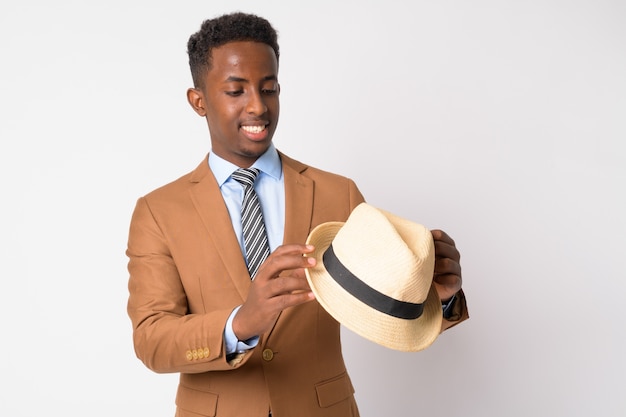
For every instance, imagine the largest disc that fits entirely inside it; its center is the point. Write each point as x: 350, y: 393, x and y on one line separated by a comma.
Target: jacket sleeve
x: 459, y: 312
x: 166, y: 338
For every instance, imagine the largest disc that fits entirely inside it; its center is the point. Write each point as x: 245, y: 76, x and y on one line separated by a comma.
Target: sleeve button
x: 268, y: 355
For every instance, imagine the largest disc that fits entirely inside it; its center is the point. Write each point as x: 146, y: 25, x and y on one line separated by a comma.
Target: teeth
x: 253, y: 129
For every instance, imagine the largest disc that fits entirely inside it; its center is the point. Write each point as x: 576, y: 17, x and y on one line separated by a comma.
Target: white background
x: 510, y: 117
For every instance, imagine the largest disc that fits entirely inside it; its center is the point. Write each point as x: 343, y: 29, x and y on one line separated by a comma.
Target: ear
x: 195, y: 97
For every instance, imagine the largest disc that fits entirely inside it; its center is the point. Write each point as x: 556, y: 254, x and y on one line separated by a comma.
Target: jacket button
x: 268, y: 355
x: 189, y: 355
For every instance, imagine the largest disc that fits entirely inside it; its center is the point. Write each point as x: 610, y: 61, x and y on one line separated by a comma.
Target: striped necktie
x: 254, y: 235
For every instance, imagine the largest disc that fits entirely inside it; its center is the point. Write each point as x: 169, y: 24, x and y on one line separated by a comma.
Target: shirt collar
x: 268, y: 163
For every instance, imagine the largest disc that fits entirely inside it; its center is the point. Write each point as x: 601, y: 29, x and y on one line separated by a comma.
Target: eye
x: 270, y: 88
x: 234, y: 93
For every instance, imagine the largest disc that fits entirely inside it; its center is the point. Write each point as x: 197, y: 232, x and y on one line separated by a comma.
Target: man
x: 245, y: 347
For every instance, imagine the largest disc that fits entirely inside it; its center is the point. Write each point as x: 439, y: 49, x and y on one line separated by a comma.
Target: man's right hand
x: 271, y: 292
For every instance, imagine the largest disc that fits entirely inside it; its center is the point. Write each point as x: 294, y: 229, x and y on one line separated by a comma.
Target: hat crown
x: 390, y: 254
x: 374, y: 275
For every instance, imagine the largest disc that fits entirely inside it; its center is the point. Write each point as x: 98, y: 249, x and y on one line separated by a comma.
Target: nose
x: 256, y: 105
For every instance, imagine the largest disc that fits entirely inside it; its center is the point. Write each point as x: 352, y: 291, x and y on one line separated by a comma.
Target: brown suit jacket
x: 187, y: 274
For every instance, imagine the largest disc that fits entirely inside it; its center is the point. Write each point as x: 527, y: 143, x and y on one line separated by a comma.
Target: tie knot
x: 245, y: 176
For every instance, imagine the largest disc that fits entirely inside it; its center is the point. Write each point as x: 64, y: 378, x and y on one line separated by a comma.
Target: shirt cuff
x: 233, y: 345
x: 448, y: 307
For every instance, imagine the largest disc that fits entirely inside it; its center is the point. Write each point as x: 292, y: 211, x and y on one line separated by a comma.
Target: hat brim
x: 383, y: 329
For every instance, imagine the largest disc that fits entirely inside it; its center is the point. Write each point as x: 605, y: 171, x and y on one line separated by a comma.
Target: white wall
x: 509, y: 115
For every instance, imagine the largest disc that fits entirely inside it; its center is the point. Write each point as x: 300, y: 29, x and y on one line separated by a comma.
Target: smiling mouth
x: 253, y: 129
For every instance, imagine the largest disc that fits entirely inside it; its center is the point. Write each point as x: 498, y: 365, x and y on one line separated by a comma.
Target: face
x: 239, y: 100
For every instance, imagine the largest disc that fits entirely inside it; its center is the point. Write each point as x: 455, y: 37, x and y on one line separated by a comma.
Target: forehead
x: 243, y: 57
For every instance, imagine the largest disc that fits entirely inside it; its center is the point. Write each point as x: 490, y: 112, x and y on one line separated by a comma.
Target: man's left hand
x: 447, y: 278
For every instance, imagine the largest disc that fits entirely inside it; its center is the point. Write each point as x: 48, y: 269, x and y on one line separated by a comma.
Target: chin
x: 257, y: 149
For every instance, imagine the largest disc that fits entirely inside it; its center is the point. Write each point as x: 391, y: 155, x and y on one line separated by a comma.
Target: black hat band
x: 366, y: 294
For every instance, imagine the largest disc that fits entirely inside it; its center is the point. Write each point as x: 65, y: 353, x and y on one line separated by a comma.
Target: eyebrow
x: 233, y: 78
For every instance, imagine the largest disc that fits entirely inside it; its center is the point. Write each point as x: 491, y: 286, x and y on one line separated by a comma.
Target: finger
x: 440, y: 235
x: 448, y: 280
x: 444, y: 249
x: 293, y: 249
x: 447, y: 266
x: 298, y: 273
x: 284, y: 258
x: 290, y: 300
x: 288, y: 284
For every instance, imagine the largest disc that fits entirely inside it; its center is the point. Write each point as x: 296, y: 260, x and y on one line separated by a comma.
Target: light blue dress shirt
x: 270, y: 188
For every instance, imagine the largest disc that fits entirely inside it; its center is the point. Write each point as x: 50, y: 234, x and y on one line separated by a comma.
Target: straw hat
x: 374, y: 274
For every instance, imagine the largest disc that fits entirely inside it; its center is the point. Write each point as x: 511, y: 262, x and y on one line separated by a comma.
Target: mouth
x: 257, y: 132
x: 254, y: 130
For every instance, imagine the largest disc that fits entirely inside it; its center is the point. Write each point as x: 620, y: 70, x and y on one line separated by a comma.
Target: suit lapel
x: 298, y: 211
x: 208, y: 201
x: 298, y: 201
